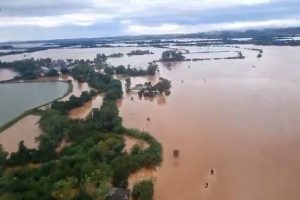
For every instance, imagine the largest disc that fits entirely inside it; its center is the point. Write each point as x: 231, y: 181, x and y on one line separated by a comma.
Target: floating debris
x: 148, y: 119
x: 176, y: 153
x: 206, y: 185
x: 212, y: 171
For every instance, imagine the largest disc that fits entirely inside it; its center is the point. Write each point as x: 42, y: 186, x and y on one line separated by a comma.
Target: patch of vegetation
x: 74, y: 101
x: 100, y: 61
x: 143, y: 190
x: 28, y: 69
x: 139, y: 53
x: 149, y: 90
x: 93, y: 161
x: 172, y: 55
x: 116, y: 55
x: 122, y: 70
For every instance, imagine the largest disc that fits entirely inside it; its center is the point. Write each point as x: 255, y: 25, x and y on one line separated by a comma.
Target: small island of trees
x: 149, y: 90
x: 116, y: 55
x: 172, y: 55
x: 122, y: 70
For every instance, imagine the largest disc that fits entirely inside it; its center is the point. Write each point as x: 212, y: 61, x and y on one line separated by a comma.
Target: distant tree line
x: 116, y: 55
x: 122, y: 70
x: 139, y: 52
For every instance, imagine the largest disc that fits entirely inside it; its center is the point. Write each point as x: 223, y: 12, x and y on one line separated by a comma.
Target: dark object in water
x: 131, y: 98
x: 148, y: 119
x: 212, y: 171
x: 176, y: 153
x: 206, y: 185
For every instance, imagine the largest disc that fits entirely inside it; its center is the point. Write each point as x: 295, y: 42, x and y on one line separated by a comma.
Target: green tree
x: 3, y: 156
x: 143, y: 190
x: 172, y: 55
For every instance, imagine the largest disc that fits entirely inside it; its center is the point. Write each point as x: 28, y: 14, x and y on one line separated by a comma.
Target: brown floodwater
x: 83, y: 112
x: 130, y: 142
x: 27, y: 129
x: 239, y: 120
x: 6, y: 74
x: 78, y: 87
x: 237, y: 117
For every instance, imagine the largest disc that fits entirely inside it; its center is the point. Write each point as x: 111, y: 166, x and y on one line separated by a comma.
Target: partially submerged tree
x: 143, y: 190
x: 172, y: 55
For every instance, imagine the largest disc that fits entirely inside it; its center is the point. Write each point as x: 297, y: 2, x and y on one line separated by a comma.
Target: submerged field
x: 237, y: 117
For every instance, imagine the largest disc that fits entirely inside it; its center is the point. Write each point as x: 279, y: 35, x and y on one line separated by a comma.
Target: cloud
x: 134, y: 29
x: 78, y: 19
x: 90, y: 18
x: 48, y: 13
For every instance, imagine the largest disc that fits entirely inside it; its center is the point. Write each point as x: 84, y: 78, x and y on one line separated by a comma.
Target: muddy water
x: 237, y: 117
x: 83, y: 112
x: 27, y: 129
x: 78, y: 88
x: 6, y: 74
x: 130, y: 142
x: 241, y: 121
x: 90, y: 53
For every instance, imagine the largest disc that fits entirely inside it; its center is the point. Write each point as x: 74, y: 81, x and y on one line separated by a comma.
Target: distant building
x: 118, y: 194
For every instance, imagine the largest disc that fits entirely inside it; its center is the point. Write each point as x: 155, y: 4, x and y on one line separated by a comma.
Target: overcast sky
x: 48, y: 19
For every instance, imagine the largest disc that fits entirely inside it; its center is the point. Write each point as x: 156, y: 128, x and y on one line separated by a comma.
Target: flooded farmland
x: 237, y: 117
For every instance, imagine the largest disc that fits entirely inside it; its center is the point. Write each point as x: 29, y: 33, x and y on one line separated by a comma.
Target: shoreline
x: 35, y: 109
